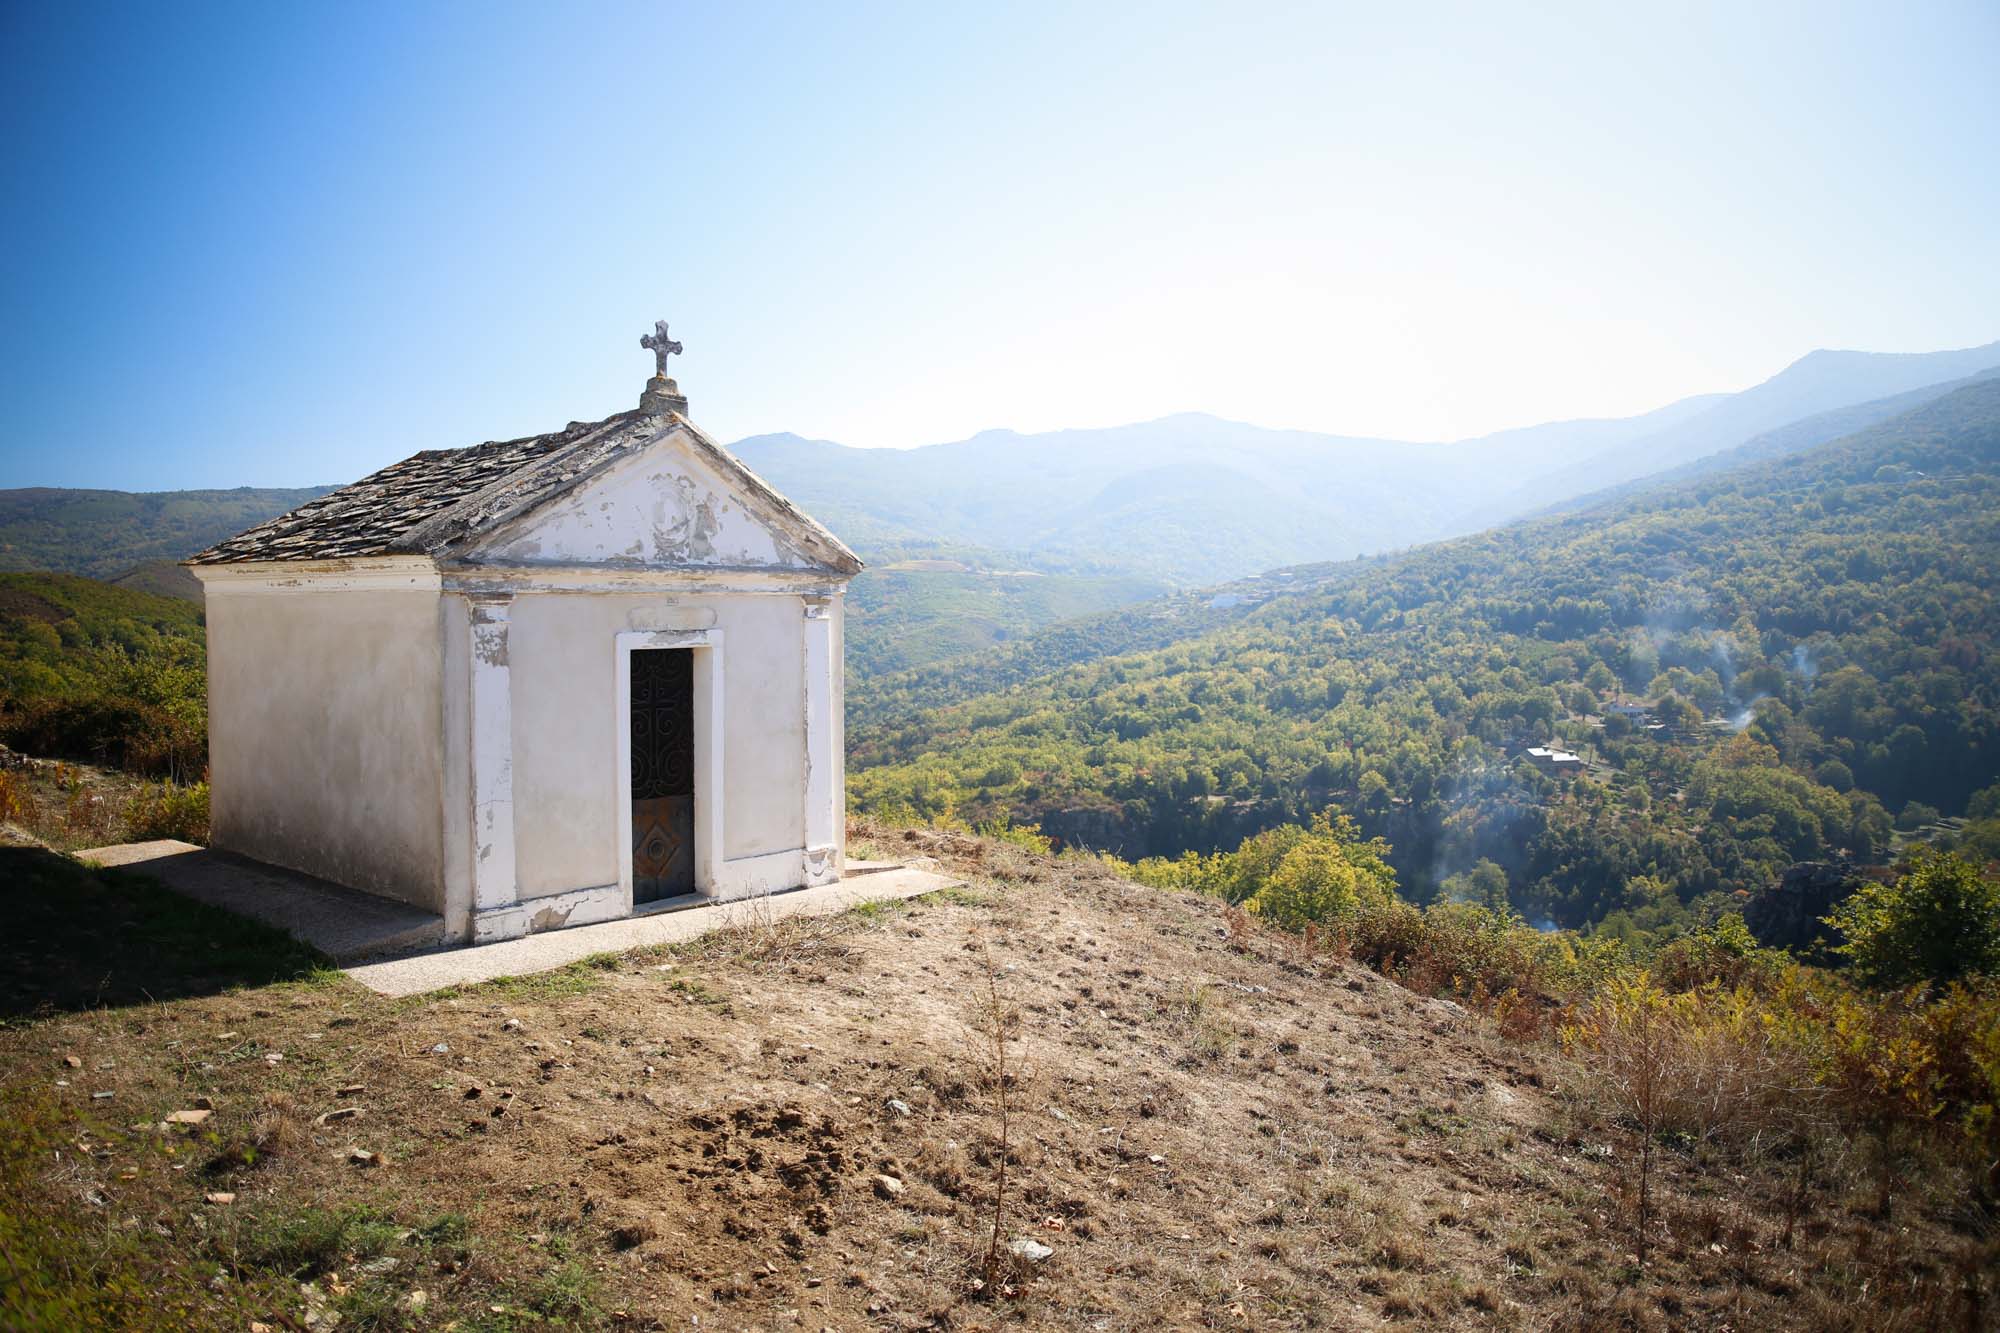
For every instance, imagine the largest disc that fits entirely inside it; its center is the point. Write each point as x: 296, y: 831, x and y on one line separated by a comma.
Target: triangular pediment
x: 675, y: 500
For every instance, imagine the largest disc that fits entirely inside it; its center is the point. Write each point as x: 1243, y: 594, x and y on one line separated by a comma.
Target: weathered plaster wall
x: 325, y: 734
x: 662, y: 507
x: 562, y: 663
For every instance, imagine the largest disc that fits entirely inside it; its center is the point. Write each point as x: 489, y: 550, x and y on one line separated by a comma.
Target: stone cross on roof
x: 660, y: 345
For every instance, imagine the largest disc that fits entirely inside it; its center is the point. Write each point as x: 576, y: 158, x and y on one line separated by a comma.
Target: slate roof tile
x: 371, y: 516
x: 439, y: 499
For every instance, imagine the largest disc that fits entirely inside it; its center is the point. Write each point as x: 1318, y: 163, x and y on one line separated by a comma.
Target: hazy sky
x: 279, y: 244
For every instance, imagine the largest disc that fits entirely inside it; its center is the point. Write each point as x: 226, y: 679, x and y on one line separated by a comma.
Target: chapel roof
x: 441, y: 499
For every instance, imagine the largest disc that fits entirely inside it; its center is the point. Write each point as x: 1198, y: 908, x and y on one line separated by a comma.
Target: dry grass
x: 1208, y: 1126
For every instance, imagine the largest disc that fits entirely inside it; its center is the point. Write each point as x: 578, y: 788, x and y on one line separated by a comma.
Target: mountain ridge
x: 1327, y: 496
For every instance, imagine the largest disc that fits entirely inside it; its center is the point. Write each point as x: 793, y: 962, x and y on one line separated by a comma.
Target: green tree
x: 1485, y: 885
x: 1328, y: 873
x: 1939, y: 922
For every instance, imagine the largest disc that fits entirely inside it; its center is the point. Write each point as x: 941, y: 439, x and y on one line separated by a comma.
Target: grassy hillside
x: 1157, y: 1113
x: 105, y: 533
x: 1832, y: 613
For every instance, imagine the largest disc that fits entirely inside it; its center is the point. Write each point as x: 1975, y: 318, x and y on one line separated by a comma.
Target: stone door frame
x: 708, y: 750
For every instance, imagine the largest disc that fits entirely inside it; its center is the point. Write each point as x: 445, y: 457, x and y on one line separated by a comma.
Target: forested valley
x: 1788, y: 660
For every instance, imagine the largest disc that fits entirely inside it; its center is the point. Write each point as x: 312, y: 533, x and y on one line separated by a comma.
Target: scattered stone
x: 338, y: 1113
x: 102, y: 1096
x: 227, y: 1036
x: 440, y: 1049
x: 221, y: 1198
x: 473, y: 1091
x: 204, y: 1103
x: 1031, y: 1250
x: 415, y: 1301
x: 362, y: 1157
x: 73, y: 1062
x: 319, y: 1315
x: 888, y: 1187
x: 274, y: 1057
x: 511, y: 1025
x: 351, y: 1090
x: 388, y: 1263
x: 194, y: 1117
x: 1156, y: 1159
x: 897, y: 1106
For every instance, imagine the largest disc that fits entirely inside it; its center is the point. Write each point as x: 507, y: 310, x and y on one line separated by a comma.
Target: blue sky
x: 277, y: 245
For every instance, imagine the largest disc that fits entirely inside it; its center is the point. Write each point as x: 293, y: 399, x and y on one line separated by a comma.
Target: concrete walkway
x: 557, y: 948
x: 341, y: 923
x: 351, y: 927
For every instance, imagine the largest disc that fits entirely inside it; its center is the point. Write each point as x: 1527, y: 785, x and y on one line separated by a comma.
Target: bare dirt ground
x: 799, y: 1126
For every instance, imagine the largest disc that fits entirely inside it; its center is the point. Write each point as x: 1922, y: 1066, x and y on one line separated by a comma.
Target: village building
x: 536, y: 683
x: 1554, y: 761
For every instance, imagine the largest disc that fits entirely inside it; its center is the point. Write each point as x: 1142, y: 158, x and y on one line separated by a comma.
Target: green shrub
x: 116, y: 731
x: 164, y: 810
x: 1939, y: 922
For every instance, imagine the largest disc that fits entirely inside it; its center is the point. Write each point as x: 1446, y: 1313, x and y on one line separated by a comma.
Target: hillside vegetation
x: 915, y: 605
x: 1812, y: 640
x: 105, y: 533
x: 96, y: 672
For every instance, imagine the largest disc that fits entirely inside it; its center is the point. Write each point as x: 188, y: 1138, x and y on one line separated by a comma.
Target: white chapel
x: 536, y: 683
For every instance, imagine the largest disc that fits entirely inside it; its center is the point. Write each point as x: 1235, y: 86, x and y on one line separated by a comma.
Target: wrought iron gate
x: 662, y: 773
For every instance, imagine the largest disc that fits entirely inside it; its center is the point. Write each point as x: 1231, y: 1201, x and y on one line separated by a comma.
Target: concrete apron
x: 348, y: 926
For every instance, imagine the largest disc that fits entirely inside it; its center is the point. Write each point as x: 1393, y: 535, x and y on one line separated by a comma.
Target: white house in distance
x: 536, y: 683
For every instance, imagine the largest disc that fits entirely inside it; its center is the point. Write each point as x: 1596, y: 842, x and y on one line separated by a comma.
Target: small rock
x: 888, y: 1187
x: 204, y: 1103
x: 1031, y: 1250
x: 511, y: 1025
x: 102, y: 1096
x: 415, y: 1301
x: 339, y: 1113
x: 474, y: 1091
x: 1156, y: 1159
x: 362, y: 1157
x: 227, y: 1036
x: 221, y: 1198
x: 388, y: 1263
x: 73, y: 1062
x: 274, y: 1057
x: 897, y: 1106
x: 440, y: 1049
x: 194, y: 1117
x: 351, y: 1090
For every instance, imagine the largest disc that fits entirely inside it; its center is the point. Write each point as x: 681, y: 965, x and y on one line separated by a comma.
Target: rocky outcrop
x: 1787, y: 915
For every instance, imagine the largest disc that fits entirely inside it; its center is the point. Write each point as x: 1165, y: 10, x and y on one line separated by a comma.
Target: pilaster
x: 496, y: 911
x: 822, y: 792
